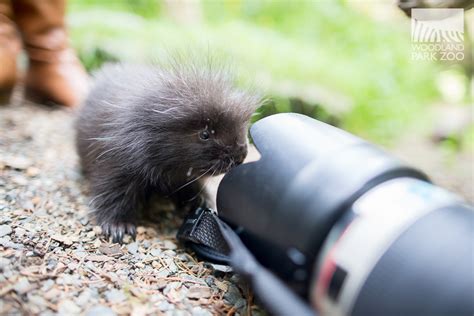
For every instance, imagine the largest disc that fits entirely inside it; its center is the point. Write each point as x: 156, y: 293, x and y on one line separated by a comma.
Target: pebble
x: 132, y: 248
x: 20, y: 180
x: 232, y: 295
x: 22, y: 286
x: 84, y: 297
x: 68, y: 307
x: 115, y: 296
x: 37, y: 301
x: 176, y: 312
x: 17, y: 162
x: 106, y: 249
x: 155, y: 252
x: 100, y: 311
x: 5, y: 230
x: 240, y: 303
x: 197, y: 292
x: 219, y: 268
x: 47, y: 285
x: 19, y: 232
x: 171, y: 286
x: 52, y: 294
x: 4, y: 262
x: 32, y: 171
x: 165, y: 306
x: 171, y: 265
x: 199, y: 311
x: 168, y: 244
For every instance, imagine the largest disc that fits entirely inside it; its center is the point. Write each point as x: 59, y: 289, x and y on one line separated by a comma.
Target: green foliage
x: 308, y: 56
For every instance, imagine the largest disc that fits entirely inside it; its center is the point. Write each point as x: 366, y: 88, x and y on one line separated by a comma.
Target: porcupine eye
x: 204, y: 135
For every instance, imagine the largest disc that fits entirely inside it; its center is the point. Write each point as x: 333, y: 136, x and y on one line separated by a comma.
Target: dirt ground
x: 53, y: 260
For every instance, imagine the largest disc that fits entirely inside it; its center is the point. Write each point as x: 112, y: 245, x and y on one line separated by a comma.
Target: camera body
x: 347, y: 226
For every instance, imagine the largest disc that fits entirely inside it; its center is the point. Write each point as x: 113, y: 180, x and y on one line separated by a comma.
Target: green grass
x: 320, y: 58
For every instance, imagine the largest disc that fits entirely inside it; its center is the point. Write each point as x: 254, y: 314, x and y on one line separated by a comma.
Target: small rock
x: 19, y: 232
x: 22, y: 286
x: 219, y: 268
x: 165, y: 306
x: 169, y: 253
x: 20, y: 180
x: 199, y: 311
x: 5, y: 230
x: 47, y: 285
x: 182, y: 257
x: 100, y: 311
x: 168, y: 244
x: 155, y: 252
x: 37, y: 300
x: 84, y: 221
x: 67, y: 240
x: 17, y: 162
x: 209, y: 280
x: 161, y: 284
x: 176, y: 295
x: 68, y: 307
x: 176, y: 312
x: 221, y: 285
x: 171, y: 265
x: 98, y: 258
x: 170, y: 286
x: 79, y: 254
x: 97, y: 230
x: 84, y: 297
x: 127, y: 239
x: 32, y: 171
x: 240, y: 303
x: 115, y: 296
x: 197, y: 292
x: 158, y: 297
x: 52, y: 294
x: 232, y: 295
x: 140, y: 310
x: 132, y: 248
x: 4, y: 262
x: 97, y: 243
x: 7, y: 243
x: 110, y: 250
x: 36, y: 200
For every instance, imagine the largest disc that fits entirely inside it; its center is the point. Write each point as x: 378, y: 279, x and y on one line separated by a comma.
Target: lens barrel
x: 296, y: 203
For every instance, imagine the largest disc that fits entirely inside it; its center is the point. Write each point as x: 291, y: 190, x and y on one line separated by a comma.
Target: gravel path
x: 52, y: 258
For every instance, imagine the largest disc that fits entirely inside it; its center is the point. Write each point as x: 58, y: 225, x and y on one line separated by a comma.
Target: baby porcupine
x: 152, y: 129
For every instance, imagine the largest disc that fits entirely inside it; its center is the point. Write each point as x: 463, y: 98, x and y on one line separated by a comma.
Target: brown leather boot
x: 54, y: 74
x: 9, y: 48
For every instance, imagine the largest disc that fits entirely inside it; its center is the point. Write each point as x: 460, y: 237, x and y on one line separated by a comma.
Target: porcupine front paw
x: 117, y: 229
x: 114, y: 206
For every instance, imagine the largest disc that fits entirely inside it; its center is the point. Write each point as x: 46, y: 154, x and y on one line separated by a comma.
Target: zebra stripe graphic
x: 437, y: 25
x: 427, y: 31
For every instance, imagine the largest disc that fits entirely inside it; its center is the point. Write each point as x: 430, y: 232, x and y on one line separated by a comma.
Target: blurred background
x: 347, y: 63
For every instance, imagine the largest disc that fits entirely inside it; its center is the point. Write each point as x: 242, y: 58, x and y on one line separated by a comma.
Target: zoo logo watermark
x: 437, y: 34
